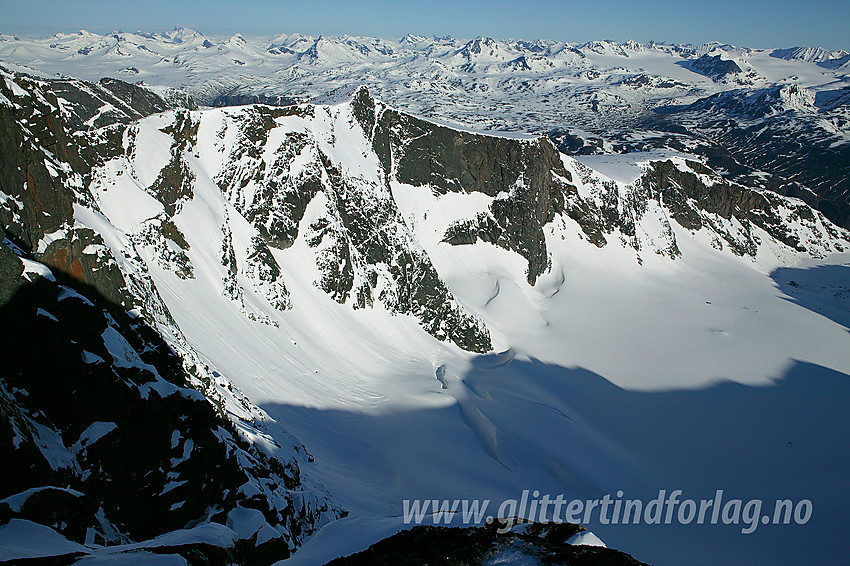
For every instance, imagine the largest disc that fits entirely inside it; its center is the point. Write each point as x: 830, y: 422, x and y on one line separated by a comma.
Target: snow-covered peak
x: 328, y: 51
x: 485, y: 49
x: 410, y: 38
x: 237, y: 40
x: 606, y: 47
x: 183, y: 35
x: 712, y: 47
x: 634, y: 45
x: 808, y: 54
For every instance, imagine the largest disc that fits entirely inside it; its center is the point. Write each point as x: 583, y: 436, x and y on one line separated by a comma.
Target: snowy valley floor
x: 514, y: 423
x: 709, y: 372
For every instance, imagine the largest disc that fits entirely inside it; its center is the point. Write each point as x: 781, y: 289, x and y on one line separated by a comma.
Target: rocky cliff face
x: 92, y: 398
x: 532, y: 185
x: 525, y: 177
x: 715, y: 68
x: 280, y: 161
x: 94, y: 402
x: 53, y: 134
x: 699, y: 198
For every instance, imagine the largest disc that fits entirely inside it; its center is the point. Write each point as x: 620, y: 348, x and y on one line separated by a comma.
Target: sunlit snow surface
x: 699, y: 373
x: 494, y: 84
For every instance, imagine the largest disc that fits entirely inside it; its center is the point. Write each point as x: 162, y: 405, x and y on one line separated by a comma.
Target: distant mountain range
x: 598, y: 96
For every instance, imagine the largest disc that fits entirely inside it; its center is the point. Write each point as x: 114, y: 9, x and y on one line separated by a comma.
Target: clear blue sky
x: 758, y: 23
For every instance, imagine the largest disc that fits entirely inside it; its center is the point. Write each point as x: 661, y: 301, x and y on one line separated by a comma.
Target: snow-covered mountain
x: 490, y: 71
x: 591, y: 97
x: 433, y: 311
x: 118, y: 432
x: 810, y: 54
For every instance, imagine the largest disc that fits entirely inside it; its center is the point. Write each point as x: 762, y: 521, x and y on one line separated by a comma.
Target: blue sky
x: 759, y: 23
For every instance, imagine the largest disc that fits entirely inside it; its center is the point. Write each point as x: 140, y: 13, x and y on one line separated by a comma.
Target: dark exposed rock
x: 369, y: 232
x: 34, y: 173
x: 11, y: 271
x: 174, y: 183
x: 110, y: 413
x: 278, y: 207
x: 171, y: 232
x: 235, y: 98
x: 156, y: 233
x: 143, y: 101
x: 183, y: 130
x: 714, y: 67
x: 47, y: 165
x: 41, y: 203
x: 474, y: 546
x: 572, y: 144
x: 527, y: 177
x: 83, y: 255
x: 694, y: 204
x: 265, y: 271
x: 779, y: 131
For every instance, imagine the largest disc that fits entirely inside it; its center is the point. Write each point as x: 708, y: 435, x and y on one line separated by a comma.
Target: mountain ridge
x: 601, y: 95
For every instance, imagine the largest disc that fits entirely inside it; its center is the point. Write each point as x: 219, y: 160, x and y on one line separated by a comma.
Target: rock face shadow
x: 571, y: 431
x: 824, y: 289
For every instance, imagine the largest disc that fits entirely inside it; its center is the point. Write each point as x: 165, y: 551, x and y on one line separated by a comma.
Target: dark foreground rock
x: 474, y: 546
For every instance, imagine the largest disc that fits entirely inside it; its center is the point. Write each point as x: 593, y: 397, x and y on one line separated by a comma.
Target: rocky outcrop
x: 93, y: 400
x: 144, y: 101
x: 43, y: 173
x: 474, y: 546
x: 714, y: 67
x: 699, y: 198
x: 364, y: 251
x: 237, y: 98
x: 526, y: 177
x: 281, y: 195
